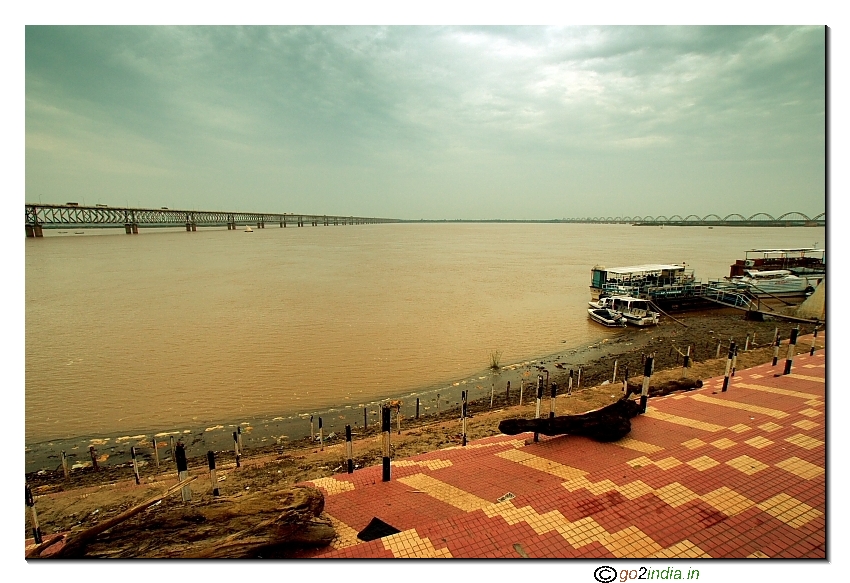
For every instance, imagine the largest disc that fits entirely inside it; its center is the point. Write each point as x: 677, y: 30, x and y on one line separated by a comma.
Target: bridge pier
x: 34, y: 231
x: 131, y: 228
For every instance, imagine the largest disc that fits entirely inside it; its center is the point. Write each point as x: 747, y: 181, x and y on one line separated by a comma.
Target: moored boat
x: 775, y: 282
x: 606, y: 317
x: 636, y: 311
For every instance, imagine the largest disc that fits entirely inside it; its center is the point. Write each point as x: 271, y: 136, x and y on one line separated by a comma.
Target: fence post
x: 321, y: 436
x: 734, y: 360
x: 171, y: 442
x: 65, y: 469
x: 93, y: 455
x: 578, y: 382
x: 687, y: 361
x: 213, y: 478
x: 348, y: 448
x: 492, y: 390
x: 398, y: 418
x: 747, y: 344
x: 814, y: 337
x: 135, y: 465
x: 792, y: 344
x: 182, y: 470
x: 539, y: 399
x: 236, y: 448
x: 728, y: 366
x: 155, y: 452
x: 570, y: 384
x: 417, y: 407
x: 385, y: 429
x: 365, y: 419
x: 312, y: 431
x: 647, y: 375
x: 719, y: 344
x: 239, y: 439
x: 438, y: 404
x: 36, y: 529
x: 552, y: 400
x: 614, y: 378
x: 521, y: 384
x: 776, y: 342
x: 508, y: 394
x: 463, y: 412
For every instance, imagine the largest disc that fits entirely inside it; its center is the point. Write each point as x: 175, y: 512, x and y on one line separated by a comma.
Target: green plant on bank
x: 495, y: 359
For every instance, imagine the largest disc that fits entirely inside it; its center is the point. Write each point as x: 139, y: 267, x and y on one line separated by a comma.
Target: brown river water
x: 167, y: 329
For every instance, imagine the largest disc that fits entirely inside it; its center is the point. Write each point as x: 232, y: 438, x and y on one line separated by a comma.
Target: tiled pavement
x: 702, y: 474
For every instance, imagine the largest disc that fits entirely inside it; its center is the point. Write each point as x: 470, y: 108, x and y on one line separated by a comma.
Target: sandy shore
x: 90, y: 497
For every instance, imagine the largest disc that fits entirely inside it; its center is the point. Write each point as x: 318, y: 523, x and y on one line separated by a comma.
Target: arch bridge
x: 790, y: 219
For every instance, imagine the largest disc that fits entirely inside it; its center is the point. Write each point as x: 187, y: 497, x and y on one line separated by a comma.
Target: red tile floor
x: 702, y: 474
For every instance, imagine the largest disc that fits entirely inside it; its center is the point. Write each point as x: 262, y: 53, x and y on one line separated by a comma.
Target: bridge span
x: 58, y: 216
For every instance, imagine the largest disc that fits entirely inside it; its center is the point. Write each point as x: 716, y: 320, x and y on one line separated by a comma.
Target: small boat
x: 249, y: 230
x: 635, y: 310
x: 606, y: 317
x: 776, y: 282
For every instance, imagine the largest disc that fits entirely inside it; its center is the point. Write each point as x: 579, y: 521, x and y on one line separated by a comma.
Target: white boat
x: 606, y: 317
x: 249, y: 230
x: 776, y: 282
x: 636, y: 311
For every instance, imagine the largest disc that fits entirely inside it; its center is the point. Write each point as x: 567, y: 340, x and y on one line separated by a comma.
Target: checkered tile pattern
x: 702, y: 474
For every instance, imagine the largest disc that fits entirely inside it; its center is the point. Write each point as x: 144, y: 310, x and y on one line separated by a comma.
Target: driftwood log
x: 261, y: 524
x: 609, y: 423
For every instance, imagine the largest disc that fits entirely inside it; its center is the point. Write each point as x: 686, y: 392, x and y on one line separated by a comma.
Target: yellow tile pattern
x: 682, y: 550
x: 509, y: 442
x: 634, y: 444
x: 409, y: 545
x: 703, y: 463
x: 665, y: 464
x: 789, y: 510
x: 630, y: 542
x: 727, y: 501
x: 775, y: 413
x: 332, y: 486
x: 693, y: 443
x: 758, y: 442
x: 445, y: 492
x: 800, y: 468
x: 756, y: 376
x: 807, y: 378
x: 747, y: 465
x: 776, y: 391
x: 676, y: 494
x: 814, y: 366
x: 635, y: 489
x: 723, y: 443
x: 430, y: 464
x: 814, y: 403
x: 810, y: 412
x: 770, y: 427
x: 804, y: 441
x: 740, y: 428
x: 757, y: 555
x: 653, y: 413
x: 806, y: 424
x: 345, y: 535
x: 542, y: 464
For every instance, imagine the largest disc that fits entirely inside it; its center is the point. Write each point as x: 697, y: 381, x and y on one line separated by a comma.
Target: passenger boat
x: 799, y: 261
x: 607, y: 317
x: 668, y: 286
x: 636, y: 311
x: 776, y: 282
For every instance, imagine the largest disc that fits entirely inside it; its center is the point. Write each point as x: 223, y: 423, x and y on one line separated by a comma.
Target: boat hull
x: 606, y: 318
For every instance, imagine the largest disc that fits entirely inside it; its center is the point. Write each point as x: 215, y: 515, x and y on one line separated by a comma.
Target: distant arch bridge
x: 790, y: 219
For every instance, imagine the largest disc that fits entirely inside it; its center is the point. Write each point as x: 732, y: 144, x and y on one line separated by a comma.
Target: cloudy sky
x: 429, y: 122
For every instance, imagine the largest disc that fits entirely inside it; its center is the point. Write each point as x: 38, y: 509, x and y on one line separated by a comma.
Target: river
x: 167, y: 329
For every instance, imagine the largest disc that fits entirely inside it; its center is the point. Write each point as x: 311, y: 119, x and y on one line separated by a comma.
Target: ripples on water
x: 150, y: 331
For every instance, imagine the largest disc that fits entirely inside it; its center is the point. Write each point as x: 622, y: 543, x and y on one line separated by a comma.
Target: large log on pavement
x: 607, y: 424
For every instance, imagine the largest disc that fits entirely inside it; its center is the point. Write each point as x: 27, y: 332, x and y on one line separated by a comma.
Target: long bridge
x: 71, y: 215
x: 59, y: 216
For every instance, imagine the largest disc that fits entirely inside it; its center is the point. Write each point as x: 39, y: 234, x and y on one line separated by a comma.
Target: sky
x: 429, y: 122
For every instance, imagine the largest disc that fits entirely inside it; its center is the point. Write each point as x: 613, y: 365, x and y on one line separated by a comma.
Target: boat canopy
x: 768, y: 273
x: 785, y: 252
x: 649, y: 268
